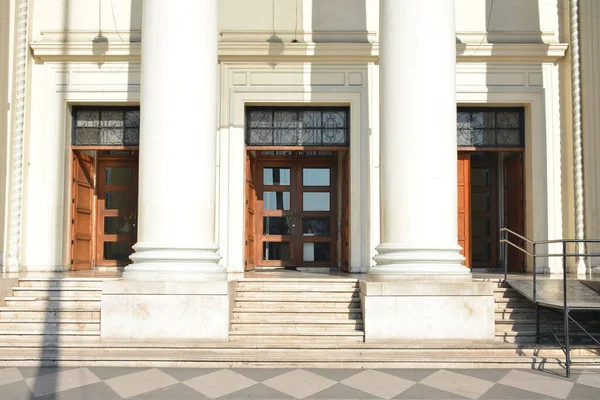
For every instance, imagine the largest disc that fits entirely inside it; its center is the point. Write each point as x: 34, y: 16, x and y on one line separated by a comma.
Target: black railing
x: 580, y: 252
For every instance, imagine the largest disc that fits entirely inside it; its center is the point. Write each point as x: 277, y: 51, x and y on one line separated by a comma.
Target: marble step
x: 292, y: 339
x: 51, y: 325
x: 48, y: 336
x: 293, y: 321
x: 57, y: 292
x: 298, y: 296
x: 299, y: 329
x: 297, y: 305
x: 294, y: 316
x: 60, y: 283
x: 26, y: 302
x: 48, y: 313
x: 322, y: 287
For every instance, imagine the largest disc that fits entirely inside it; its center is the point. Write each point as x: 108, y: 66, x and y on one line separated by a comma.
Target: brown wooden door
x: 117, y: 211
x: 250, y: 214
x: 296, y: 209
x: 484, y: 210
x: 464, y: 205
x: 82, y: 212
x: 345, y: 220
x: 514, y: 209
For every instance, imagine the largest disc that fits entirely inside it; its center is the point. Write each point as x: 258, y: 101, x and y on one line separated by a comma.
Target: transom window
x: 106, y: 126
x: 297, y: 126
x: 490, y: 127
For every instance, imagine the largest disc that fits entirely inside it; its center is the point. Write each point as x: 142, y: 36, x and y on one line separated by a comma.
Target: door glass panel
x: 276, y: 251
x: 117, y: 250
x: 482, y: 251
x: 277, y: 176
x: 117, y: 200
x: 481, y: 226
x: 480, y: 201
x: 316, y: 201
x: 315, y: 177
x: 316, y: 227
x: 276, y: 201
x: 480, y: 177
x: 117, y: 225
x: 276, y: 226
x: 316, y: 252
x: 119, y: 176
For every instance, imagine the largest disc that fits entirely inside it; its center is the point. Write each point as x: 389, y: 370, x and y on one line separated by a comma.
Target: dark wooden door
x: 250, y: 214
x: 484, y: 210
x: 117, y: 211
x: 297, y: 213
x: 514, y: 209
x: 82, y: 212
x: 464, y: 205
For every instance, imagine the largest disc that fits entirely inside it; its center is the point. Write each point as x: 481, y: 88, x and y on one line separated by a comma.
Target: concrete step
x: 27, y: 302
x: 57, y: 292
x: 295, y: 316
x: 51, y: 325
x: 46, y: 313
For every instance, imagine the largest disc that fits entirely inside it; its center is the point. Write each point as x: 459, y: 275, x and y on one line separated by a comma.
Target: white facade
x: 289, y: 52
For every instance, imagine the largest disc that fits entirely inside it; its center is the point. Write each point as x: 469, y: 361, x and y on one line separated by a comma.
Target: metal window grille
x: 297, y: 126
x: 490, y: 127
x: 106, y: 126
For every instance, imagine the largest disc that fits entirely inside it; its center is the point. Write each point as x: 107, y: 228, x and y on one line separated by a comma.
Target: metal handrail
x: 504, y: 235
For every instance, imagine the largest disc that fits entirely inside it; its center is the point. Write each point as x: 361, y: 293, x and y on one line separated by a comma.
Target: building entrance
x: 293, y: 215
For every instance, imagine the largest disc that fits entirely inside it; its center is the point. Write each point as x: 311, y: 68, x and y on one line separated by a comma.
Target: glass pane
x: 315, y: 176
x: 481, y: 226
x: 480, y: 201
x: 316, y: 201
x: 117, y: 200
x: 276, y: 251
x: 480, y: 177
x: 482, y: 251
x: 116, y: 250
x: 276, y: 176
x: 316, y: 227
x: 276, y: 226
x: 276, y: 201
x: 119, y: 175
x: 118, y: 225
x: 316, y: 252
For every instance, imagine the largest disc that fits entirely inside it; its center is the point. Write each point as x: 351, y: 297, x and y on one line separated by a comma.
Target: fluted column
x: 176, y: 232
x: 418, y: 173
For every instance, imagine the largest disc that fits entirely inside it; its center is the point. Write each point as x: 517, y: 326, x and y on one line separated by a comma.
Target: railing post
x: 504, y: 235
x: 566, y: 311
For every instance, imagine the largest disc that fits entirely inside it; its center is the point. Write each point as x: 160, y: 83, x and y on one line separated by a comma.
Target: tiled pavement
x: 253, y: 383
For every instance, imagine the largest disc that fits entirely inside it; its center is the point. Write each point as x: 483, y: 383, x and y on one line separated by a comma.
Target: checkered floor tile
x: 254, y: 383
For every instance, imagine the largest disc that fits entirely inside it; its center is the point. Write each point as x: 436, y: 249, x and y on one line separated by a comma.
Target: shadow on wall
x: 339, y: 21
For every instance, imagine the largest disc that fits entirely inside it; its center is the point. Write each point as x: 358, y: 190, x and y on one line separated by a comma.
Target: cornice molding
x: 105, y: 50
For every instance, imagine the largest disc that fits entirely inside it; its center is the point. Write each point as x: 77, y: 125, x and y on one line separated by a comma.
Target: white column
x: 176, y: 232
x: 418, y: 139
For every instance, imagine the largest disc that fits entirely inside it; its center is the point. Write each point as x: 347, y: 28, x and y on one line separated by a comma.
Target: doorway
x: 295, y: 210
x: 104, y: 208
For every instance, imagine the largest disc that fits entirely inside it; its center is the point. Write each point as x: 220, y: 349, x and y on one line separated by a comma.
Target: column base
x: 401, y: 259
x: 152, y: 262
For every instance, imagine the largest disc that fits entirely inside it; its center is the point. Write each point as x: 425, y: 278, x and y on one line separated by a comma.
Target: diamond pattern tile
x: 108, y: 383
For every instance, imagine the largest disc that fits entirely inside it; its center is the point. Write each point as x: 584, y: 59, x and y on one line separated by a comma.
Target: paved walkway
x: 252, y: 383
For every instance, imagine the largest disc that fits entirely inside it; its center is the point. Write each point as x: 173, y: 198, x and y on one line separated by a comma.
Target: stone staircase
x: 50, y: 310
x: 515, y: 319
x: 292, y: 310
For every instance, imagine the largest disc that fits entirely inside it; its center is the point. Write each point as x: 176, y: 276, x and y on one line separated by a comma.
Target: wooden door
x: 484, y: 210
x: 82, y: 214
x: 296, y: 207
x: 345, y: 220
x: 250, y: 214
x: 117, y: 211
x: 514, y: 209
x: 464, y: 205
